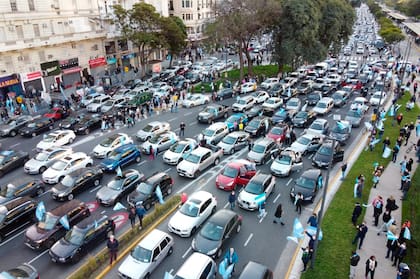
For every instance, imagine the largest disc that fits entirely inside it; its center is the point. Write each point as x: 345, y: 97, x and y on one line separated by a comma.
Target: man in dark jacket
x: 356, y: 213
x: 232, y: 199
x: 112, y: 245
x: 140, y: 211
x: 362, y: 229
x: 278, y: 214
x: 354, y: 260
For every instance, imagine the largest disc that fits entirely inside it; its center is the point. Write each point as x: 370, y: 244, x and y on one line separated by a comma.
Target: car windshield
x: 49, y: 138
x: 109, y: 103
x: 192, y: 158
x: 41, y: 156
x: 353, y: 113
x: 271, y: 101
x: 210, y: 110
x: 177, y: 148
x: 340, y: 130
x: 284, y: 160
x: 258, y: 148
x: 114, y: 155
x: 325, y: 150
x: 141, y: 254
x: 230, y: 172
x: 96, y: 101
x: 254, y: 124
x: 254, y: 188
x: 301, y: 115
x: 2, y: 158
x: 229, y: 140
x: 156, y: 139
x: 242, y: 102
x: 75, y: 236
x: 292, y: 103
x: 107, y: 142
x: 303, y: 140
x: 68, y: 181
x: 305, y: 182
x: 232, y: 118
x: 337, y: 96
x: 277, y: 130
x: 49, y: 221
x: 9, y: 191
x: 31, y: 125
x: 148, y: 128
x: 59, y: 166
x: 212, y: 231
x: 316, y: 126
x: 190, y: 208
x: 144, y: 188
x: 321, y: 105
x: 116, y: 184
x: 208, y: 132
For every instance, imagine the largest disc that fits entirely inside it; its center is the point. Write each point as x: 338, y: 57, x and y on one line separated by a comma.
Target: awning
x: 397, y: 16
x: 413, y: 26
x: 71, y: 70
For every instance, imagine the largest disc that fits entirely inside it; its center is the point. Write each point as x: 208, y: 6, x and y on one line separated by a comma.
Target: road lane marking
x: 172, y: 119
x: 39, y: 256
x: 226, y: 205
x: 309, y: 209
x: 13, y: 237
x: 84, y: 140
x: 141, y: 163
x: 186, y: 253
x: 262, y: 218
x: 288, y: 182
x: 103, y: 212
x: 96, y: 188
x: 248, y: 240
x: 14, y: 145
x: 193, y: 123
x: 167, y: 170
x: 310, y: 156
x: 44, y: 193
x: 188, y: 113
x: 277, y: 197
x: 170, y: 271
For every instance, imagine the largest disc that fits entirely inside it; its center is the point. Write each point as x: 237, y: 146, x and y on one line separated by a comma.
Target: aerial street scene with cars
x: 192, y: 139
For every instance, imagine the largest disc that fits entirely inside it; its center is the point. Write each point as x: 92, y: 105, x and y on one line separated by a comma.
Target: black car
x: 216, y: 232
x: 46, y: 232
x: 146, y: 191
x: 87, y: 124
x: 36, y: 127
x: 76, y: 182
x: 308, y: 184
x: 70, y: 122
x: 313, y: 98
x: 254, y: 111
x: 254, y: 270
x: 328, y: 89
x: 31, y: 188
x: 11, y: 126
x: 15, y: 214
x: 223, y: 94
x: 81, y: 239
x: 283, y: 116
x: 23, y: 271
x: 11, y: 159
x: 258, y: 126
x: 322, y: 156
x: 303, y: 119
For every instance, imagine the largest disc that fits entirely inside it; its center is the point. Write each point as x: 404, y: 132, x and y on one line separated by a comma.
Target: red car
x: 278, y: 133
x: 236, y: 173
x: 57, y: 113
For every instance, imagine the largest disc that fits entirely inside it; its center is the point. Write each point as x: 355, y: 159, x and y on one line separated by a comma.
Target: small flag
x: 159, y: 195
x: 320, y: 182
x: 40, y: 211
x: 297, y: 229
x: 119, y: 171
x: 65, y: 222
x: 407, y: 233
x: 260, y: 199
x: 312, y: 231
x: 119, y: 206
x: 225, y: 270
x: 95, y: 224
x: 391, y: 236
x: 341, y: 125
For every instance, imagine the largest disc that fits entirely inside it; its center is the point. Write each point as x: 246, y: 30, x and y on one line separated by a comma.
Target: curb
x: 121, y: 255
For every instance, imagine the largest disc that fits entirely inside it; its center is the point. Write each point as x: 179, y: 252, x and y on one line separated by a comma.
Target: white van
x: 321, y: 68
x: 197, y: 266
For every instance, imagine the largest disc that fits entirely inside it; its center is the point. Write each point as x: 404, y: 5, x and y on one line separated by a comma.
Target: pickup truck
x: 199, y: 159
x: 213, y: 112
x: 286, y: 162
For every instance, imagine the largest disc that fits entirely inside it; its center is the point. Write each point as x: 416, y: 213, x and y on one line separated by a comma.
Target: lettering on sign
x: 9, y: 82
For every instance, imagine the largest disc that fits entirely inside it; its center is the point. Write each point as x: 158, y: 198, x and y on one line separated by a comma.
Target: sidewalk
x: 374, y: 244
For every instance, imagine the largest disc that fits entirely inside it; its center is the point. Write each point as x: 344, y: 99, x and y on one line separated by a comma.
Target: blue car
x: 236, y: 117
x: 123, y: 155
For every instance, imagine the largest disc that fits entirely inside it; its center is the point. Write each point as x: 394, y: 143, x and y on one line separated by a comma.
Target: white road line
x: 310, y: 156
x: 248, y: 240
x: 46, y: 192
x: 96, y: 188
x: 11, y: 238
x: 170, y: 271
x: 262, y: 218
x: 172, y: 119
x: 167, y: 170
x: 103, y: 211
x: 186, y: 253
x: 14, y: 145
x: 84, y: 140
x: 39, y: 256
x: 188, y: 113
x: 269, y: 161
x: 226, y: 205
x: 277, y: 197
x: 193, y: 123
x: 309, y: 209
x: 141, y: 163
x: 288, y: 182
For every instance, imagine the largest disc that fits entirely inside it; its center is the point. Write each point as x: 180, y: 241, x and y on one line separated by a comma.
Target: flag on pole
x: 40, y: 211
x: 119, y: 206
x: 119, y: 171
x: 65, y: 222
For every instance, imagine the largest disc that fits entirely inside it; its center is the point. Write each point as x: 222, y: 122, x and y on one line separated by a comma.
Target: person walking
x: 278, y: 214
x: 261, y: 210
x: 354, y: 260
x: 395, y: 151
x: 401, y: 253
x: 313, y: 220
x: 343, y: 170
x: 305, y: 258
x: 371, y: 265
x: 357, y: 211
x: 112, y: 245
x: 132, y: 216
x: 182, y: 129
x: 151, y: 153
x: 386, y: 217
x: 399, y: 118
x: 298, y: 202
x: 232, y: 200
x: 140, y: 211
x: 391, y: 204
x: 362, y: 229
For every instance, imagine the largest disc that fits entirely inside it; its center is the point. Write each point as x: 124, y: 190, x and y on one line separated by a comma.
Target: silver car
x: 45, y: 159
x: 261, y: 151
x: 12, y: 125
x: 234, y: 141
x: 160, y: 142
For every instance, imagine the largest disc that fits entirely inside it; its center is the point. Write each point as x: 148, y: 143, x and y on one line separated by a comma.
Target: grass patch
x: 335, y: 248
x: 411, y: 211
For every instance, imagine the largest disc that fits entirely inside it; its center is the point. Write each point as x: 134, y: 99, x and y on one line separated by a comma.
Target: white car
x: 195, y: 100
x: 361, y: 104
x: 111, y: 143
x: 160, y: 142
x: 319, y: 127
x: 268, y: 83
x: 215, y: 132
x: 45, y: 159
x: 97, y: 104
x: 293, y: 104
x: 56, y: 139
x: 87, y: 99
x: 147, y: 255
x: 259, y: 184
x: 244, y: 103
x: 61, y: 168
x: 192, y: 214
x: 260, y: 96
x: 177, y: 152
x: 248, y: 87
x: 287, y: 162
x: 324, y: 106
x: 360, y: 50
x: 152, y: 129
x: 307, y: 143
x: 376, y: 98
x: 272, y: 104
x: 111, y: 103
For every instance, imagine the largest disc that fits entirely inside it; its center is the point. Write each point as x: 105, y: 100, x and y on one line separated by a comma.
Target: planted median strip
x: 97, y: 266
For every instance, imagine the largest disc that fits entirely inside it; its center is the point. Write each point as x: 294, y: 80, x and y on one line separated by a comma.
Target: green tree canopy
x: 174, y: 35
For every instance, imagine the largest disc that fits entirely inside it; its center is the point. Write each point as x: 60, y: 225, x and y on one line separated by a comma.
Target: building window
x: 2, y: 35
x: 31, y: 5
x: 19, y: 31
x: 36, y: 30
x: 189, y: 17
x: 41, y: 55
x: 187, y: 3
x: 73, y: 45
x: 13, y: 5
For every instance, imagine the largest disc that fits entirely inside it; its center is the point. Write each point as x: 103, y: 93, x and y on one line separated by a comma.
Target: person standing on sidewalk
x: 112, y: 245
x: 391, y: 204
x: 371, y: 265
x: 357, y: 210
x: 401, y: 253
x: 232, y: 200
x: 278, y: 214
x: 386, y: 217
x: 378, y: 204
x: 181, y: 129
x: 132, y: 216
x: 313, y: 220
x: 395, y: 151
x: 354, y: 260
x: 305, y: 258
x: 343, y: 170
x: 298, y: 202
x: 362, y: 230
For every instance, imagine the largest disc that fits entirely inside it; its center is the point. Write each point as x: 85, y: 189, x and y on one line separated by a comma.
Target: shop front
x: 32, y: 83
x: 52, y: 74
x: 70, y: 71
x: 10, y: 86
x: 97, y: 67
x: 126, y: 61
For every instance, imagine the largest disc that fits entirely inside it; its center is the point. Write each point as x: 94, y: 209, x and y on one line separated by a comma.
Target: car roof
x: 320, y: 120
x: 125, y: 147
x: 193, y: 265
x: 54, y: 149
x: 63, y: 209
x: 222, y: 216
x: 326, y: 99
x: 253, y: 270
x: 260, y: 178
x: 152, y: 239
x: 79, y: 172
x: 202, y: 196
x: 156, y: 177
x: 237, y: 134
x: 311, y: 173
x: 264, y: 141
x: 73, y: 156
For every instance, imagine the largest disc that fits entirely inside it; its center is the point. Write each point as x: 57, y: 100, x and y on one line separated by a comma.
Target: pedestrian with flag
x: 112, y: 245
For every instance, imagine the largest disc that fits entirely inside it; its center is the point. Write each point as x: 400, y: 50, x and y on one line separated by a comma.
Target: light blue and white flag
x: 297, y: 230
x: 119, y: 171
x: 260, y: 199
x: 65, y: 222
x: 341, y: 125
x: 391, y: 236
x: 407, y: 233
x: 172, y: 138
x: 312, y: 231
x: 40, y: 211
x: 159, y: 195
x: 225, y: 270
x: 95, y: 224
x: 119, y: 206
x: 168, y: 276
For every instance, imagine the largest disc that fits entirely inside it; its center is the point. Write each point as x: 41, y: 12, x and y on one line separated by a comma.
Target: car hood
x: 60, y: 188
x: 108, y: 162
x: 5, y: 128
x: 101, y: 149
x: 171, y: 155
x: 136, y: 197
x: 50, y: 173
x: 44, y: 145
x: 133, y: 268
x: 255, y: 156
x: 204, y: 114
x: 250, y: 129
x: 246, y: 196
x: 204, y: 245
x: 225, y: 146
x: 27, y: 130
x: 280, y: 167
x: 321, y: 158
x: 185, y: 165
x: 35, y: 233
x: 63, y: 248
x: 32, y: 164
x: 224, y: 180
x: 182, y: 222
x: 106, y: 193
x: 143, y: 134
x: 353, y: 119
x: 298, y: 147
x: 305, y: 191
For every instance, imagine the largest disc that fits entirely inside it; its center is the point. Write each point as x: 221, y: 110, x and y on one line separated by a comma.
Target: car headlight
x: 213, y: 251
x: 62, y: 194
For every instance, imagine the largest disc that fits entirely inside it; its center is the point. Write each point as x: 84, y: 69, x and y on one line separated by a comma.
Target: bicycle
x: 410, y: 148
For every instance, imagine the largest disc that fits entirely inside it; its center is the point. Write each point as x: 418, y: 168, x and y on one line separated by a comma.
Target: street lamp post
x: 321, y: 211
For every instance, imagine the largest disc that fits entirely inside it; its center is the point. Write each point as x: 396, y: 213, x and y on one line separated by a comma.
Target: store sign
x: 97, y: 62
x: 51, y: 68
x: 31, y: 76
x: 9, y: 81
x: 110, y: 61
x: 69, y: 63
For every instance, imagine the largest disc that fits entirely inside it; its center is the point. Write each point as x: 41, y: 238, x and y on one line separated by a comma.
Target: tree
x: 391, y: 34
x: 174, y: 35
x: 142, y: 26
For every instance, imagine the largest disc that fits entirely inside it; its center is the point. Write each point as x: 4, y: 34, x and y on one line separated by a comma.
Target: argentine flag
x: 159, y: 195
x: 260, y: 199
x: 119, y: 206
x: 312, y: 231
x: 65, y: 222
x: 407, y: 233
x: 40, y: 211
x: 297, y: 231
x: 391, y: 236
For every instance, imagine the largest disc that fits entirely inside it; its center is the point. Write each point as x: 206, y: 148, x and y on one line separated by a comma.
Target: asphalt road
x: 259, y: 240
